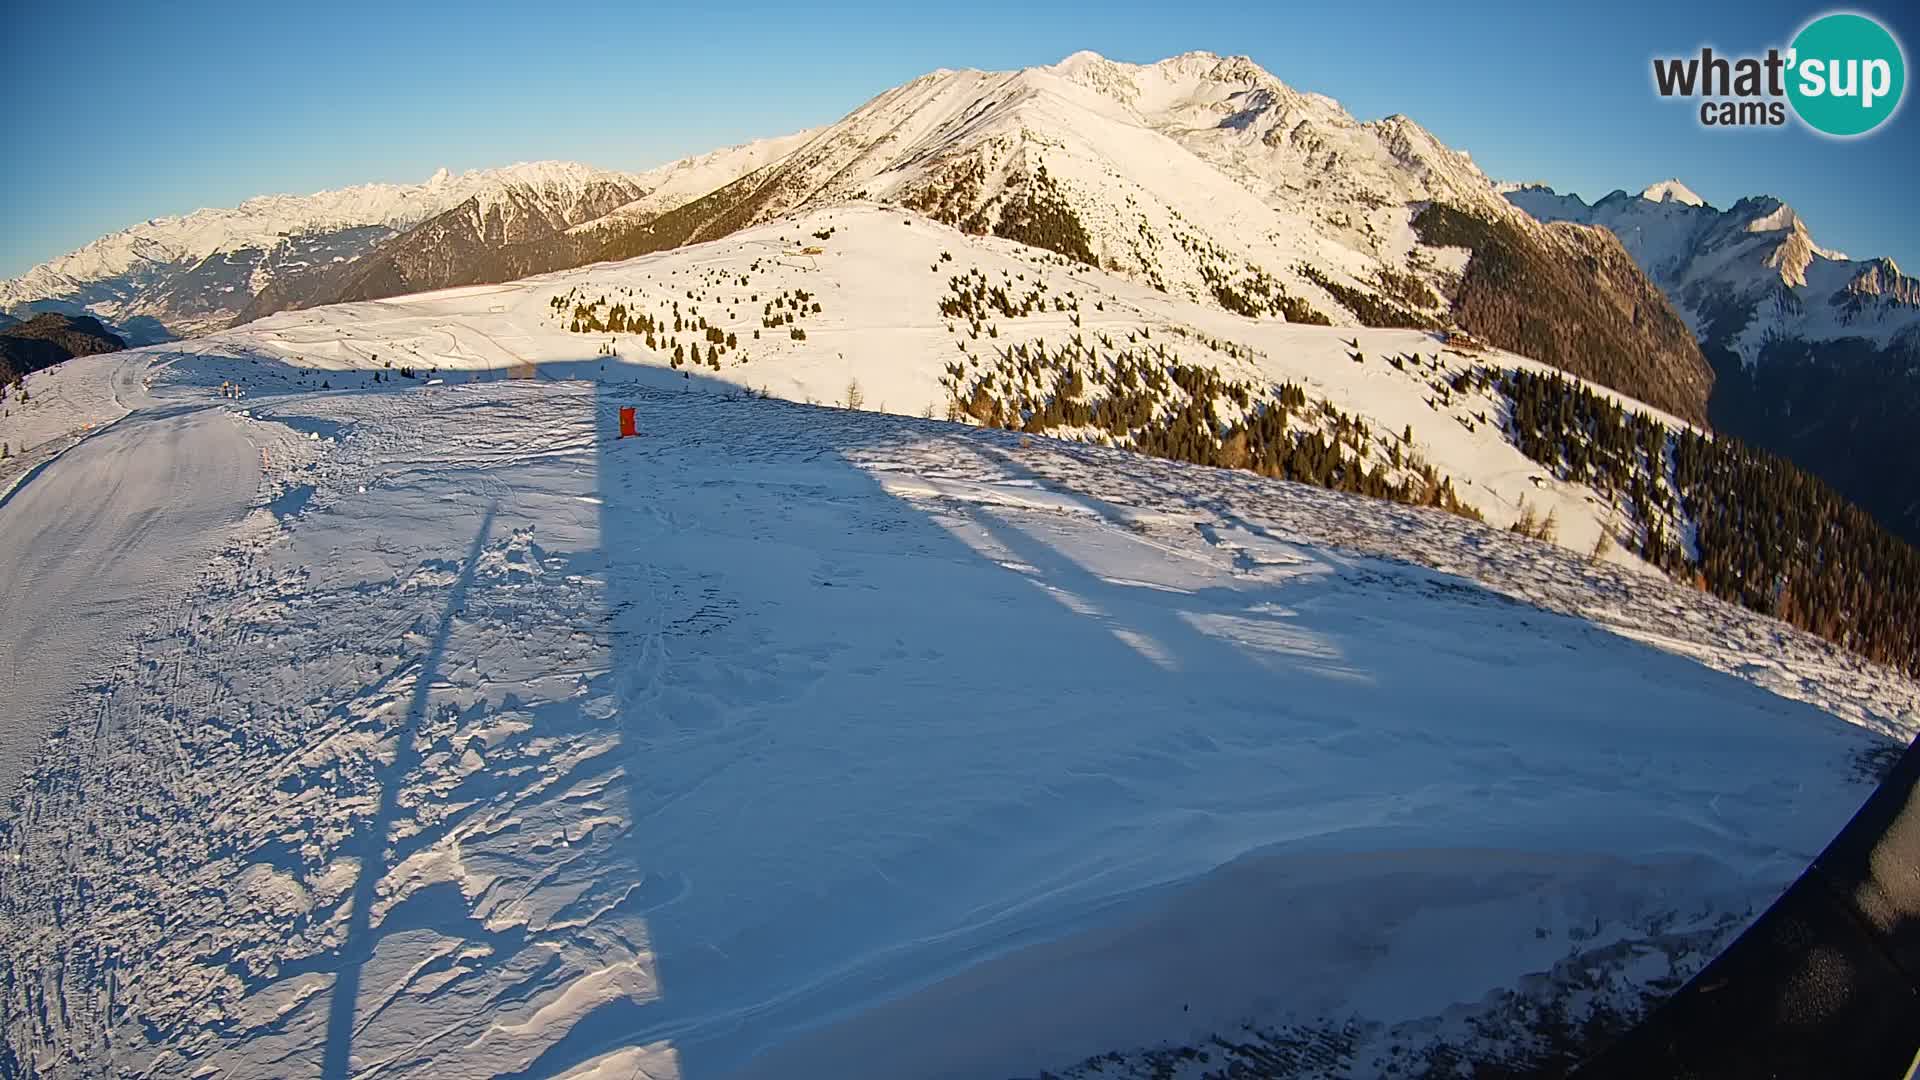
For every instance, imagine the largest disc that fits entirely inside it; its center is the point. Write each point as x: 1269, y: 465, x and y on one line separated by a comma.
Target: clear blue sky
x: 124, y: 111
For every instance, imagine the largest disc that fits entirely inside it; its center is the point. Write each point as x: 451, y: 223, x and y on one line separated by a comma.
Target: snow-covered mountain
x: 514, y: 232
x: 195, y: 272
x: 513, y: 213
x: 1203, y: 176
x: 928, y: 319
x: 1817, y: 355
x: 1207, y: 178
x: 1195, y: 172
x: 1747, y: 275
x: 187, y: 275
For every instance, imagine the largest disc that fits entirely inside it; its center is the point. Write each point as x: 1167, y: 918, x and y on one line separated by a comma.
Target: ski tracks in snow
x: 560, y: 751
x: 101, y: 539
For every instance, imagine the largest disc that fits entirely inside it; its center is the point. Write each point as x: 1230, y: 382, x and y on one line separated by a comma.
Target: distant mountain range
x: 183, y: 276
x: 1747, y: 276
x: 1817, y: 356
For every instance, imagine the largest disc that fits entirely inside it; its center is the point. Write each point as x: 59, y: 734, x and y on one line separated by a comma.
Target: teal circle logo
x: 1847, y: 74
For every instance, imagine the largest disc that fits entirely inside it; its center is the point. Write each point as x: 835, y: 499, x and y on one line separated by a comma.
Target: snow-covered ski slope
x: 795, y: 741
x: 880, y: 276
x: 102, y: 528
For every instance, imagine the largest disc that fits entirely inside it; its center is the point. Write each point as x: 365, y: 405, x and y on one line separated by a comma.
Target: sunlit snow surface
x: 794, y: 741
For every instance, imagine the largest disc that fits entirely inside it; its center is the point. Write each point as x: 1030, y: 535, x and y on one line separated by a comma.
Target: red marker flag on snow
x: 626, y: 422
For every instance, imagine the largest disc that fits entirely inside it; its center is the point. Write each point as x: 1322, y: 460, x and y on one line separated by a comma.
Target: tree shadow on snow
x: 370, y: 845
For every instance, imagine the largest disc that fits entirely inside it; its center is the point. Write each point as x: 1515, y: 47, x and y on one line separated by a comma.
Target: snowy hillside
x: 796, y: 741
x: 874, y: 306
x: 1747, y: 275
x: 884, y: 301
x: 1203, y: 177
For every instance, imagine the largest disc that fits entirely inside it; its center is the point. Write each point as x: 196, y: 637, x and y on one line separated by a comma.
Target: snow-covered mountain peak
x: 1746, y: 275
x: 1082, y: 61
x: 1769, y: 214
x: 1197, y: 88
x: 1212, y: 67
x: 1112, y: 78
x: 1187, y: 171
x: 1277, y: 141
x: 1672, y: 191
x: 1794, y: 250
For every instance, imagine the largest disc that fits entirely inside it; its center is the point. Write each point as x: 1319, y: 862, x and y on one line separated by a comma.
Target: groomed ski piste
x: 446, y: 734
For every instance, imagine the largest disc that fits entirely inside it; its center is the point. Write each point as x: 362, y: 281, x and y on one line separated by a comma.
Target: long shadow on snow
x: 709, y: 712
x: 703, y: 705
x: 735, y: 492
x: 725, y: 624
x: 679, y: 610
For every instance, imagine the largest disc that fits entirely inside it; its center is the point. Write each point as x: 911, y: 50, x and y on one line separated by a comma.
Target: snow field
x: 879, y: 280
x: 744, y: 746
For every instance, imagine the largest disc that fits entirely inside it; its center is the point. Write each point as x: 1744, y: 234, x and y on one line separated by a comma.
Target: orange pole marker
x: 627, y: 426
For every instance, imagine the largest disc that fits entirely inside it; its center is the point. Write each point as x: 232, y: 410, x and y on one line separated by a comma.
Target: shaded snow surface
x: 794, y: 741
